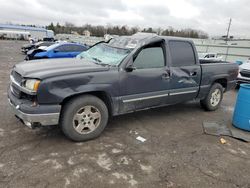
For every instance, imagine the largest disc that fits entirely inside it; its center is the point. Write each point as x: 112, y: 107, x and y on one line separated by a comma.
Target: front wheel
x: 214, y: 98
x: 84, y: 118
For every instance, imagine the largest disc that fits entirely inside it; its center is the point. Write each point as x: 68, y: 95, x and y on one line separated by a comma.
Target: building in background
x: 17, y: 35
x: 18, y: 32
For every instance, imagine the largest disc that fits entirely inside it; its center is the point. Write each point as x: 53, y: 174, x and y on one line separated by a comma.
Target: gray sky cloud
x: 211, y: 16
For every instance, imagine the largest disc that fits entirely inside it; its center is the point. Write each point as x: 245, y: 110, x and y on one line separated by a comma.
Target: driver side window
x: 151, y: 57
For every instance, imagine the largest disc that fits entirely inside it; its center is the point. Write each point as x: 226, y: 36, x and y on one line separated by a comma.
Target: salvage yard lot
x: 176, y: 152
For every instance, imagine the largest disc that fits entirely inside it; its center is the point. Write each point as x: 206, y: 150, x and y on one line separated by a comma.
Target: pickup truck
x: 123, y: 75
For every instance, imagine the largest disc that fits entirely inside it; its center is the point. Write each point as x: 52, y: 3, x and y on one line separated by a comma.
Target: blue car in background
x: 58, y: 50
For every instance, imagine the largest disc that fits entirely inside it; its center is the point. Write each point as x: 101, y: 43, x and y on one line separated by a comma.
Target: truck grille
x: 18, y: 80
x: 17, y: 77
x: 245, y: 73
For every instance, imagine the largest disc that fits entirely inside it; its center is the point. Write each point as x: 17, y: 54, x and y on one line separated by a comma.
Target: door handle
x: 193, y: 73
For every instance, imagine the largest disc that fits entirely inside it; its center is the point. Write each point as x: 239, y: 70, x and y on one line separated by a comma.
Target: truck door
x: 185, y: 71
x: 148, y: 83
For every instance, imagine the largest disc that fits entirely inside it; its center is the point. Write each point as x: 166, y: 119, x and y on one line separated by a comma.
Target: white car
x: 244, y: 73
x: 210, y: 56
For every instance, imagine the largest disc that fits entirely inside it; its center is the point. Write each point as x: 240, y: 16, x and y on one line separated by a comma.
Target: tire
x: 214, y: 98
x: 76, y: 122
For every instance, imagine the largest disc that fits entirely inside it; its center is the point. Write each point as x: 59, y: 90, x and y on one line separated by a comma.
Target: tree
x: 51, y: 27
x: 100, y: 31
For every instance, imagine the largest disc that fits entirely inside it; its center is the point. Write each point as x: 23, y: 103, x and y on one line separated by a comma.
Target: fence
x: 229, y: 52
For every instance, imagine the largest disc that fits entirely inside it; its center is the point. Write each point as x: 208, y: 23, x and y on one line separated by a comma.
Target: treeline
x: 100, y: 31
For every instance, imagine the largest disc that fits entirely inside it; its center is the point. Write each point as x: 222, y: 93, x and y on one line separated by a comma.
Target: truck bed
x: 212, y: 70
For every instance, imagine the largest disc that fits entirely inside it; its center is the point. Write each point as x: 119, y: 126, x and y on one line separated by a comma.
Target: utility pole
x: 228, y: 29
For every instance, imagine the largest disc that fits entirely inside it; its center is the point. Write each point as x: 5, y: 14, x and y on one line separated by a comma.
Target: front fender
x: 40, y: 54
x: 55, y: 90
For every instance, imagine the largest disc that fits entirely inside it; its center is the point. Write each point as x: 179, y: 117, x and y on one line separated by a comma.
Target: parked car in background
x: 126, y: 74
x: 25, y: 48
x: 244, y: 73
x: 58, y: 50
x: 49, y: 39
x: 210, y: 56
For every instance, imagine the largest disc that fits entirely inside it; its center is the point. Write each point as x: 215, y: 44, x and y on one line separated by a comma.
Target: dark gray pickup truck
x: 123, y: 75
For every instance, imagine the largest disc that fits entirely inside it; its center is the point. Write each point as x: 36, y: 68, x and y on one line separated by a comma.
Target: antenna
x: 228, y: 29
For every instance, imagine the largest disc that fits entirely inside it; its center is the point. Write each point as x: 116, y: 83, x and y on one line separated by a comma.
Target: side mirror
x: 56, y: 50
x: 130, y: 68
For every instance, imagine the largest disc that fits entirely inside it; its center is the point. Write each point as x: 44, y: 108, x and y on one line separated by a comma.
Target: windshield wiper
x: 96, y: 59
x: 99, y: 62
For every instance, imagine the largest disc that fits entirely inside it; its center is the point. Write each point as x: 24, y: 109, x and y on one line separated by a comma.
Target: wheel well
x: 222, y: 81
x: 100, y: 94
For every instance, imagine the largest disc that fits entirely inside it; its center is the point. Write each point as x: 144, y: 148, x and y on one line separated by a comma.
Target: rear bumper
x: 231, y: 85
x: 40, y: 115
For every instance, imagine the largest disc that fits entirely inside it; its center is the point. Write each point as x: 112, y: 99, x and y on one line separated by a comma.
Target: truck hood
x: 44, y: 68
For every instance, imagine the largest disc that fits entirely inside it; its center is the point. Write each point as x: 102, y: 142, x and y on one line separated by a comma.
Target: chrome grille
x: 16, y: 80
x: 17, y: 77
x: 245, y: 73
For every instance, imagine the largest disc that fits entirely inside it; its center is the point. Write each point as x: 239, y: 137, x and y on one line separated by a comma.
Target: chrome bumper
x: 31, y: 119
x: 242, y: 79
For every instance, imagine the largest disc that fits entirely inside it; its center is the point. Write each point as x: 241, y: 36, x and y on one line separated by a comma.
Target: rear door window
x: 182, y: 53
x: 77, y: 48
x: 65, y: 48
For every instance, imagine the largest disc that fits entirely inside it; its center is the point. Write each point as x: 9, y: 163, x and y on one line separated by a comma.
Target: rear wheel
x: 214, y: 98
x: 84, y: 118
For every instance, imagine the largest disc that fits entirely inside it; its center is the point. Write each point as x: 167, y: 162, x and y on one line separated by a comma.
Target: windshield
x: 105, y: 54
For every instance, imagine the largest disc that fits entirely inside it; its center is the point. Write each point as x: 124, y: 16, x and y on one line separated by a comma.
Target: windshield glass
x: 105, y: 54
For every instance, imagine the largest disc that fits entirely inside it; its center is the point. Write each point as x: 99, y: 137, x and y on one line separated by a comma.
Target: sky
x: 210, y: 16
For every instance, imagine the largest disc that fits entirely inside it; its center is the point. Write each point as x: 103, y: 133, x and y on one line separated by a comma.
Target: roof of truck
x: 139, y: 39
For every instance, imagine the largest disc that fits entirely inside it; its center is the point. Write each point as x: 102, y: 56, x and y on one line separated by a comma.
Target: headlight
x: 32, y: 84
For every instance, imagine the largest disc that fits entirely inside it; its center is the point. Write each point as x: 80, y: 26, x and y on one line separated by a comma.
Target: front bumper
x: 242, y: 80
x: 40, y: 115
x: 24, y: 50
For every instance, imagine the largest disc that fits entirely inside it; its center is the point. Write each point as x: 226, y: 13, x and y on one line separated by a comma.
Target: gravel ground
x: 176, y: 153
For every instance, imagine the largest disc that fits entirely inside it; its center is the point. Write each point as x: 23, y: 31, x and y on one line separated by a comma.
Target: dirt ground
x: 176, y: 153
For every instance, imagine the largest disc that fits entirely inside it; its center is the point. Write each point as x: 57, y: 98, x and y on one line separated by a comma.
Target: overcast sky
x: 211, y: 16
